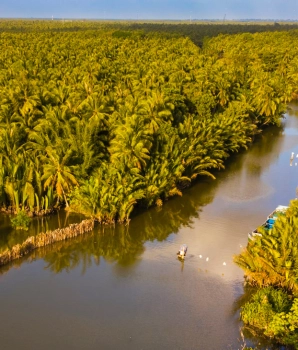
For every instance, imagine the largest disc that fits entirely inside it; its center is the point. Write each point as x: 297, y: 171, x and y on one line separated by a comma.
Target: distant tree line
x: 197, y: 31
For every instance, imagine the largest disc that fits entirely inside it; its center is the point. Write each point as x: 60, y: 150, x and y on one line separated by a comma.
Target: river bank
x: 44, y: 239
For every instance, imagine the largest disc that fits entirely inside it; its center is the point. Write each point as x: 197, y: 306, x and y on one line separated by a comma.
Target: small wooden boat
x: 269, y: 223
x: 182, y: 251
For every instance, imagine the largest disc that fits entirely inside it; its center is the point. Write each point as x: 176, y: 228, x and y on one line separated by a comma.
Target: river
x: 124, y: 288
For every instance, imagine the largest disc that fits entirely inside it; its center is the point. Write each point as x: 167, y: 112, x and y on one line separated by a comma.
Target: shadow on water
x: 262, y: 148
x: 10, y: 237
x: 293, y: 109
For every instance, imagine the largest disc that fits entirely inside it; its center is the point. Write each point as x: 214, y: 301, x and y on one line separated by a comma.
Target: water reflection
x: 125, y: 244
x: 10, y: 237
x: 293, y: 109
x: 121, y: 244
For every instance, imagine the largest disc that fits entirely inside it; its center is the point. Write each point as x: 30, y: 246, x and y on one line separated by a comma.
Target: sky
x: 151, y: 9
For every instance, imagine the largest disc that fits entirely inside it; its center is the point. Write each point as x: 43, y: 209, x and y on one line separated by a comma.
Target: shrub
x: 272, y: 313
x: 21, y: 221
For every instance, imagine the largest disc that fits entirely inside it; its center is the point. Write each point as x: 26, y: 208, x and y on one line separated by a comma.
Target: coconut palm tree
x: 57, y: 174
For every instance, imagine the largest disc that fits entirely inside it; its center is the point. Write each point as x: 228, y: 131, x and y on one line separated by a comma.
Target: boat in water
x: 182, y: 251
x: 269, y: 223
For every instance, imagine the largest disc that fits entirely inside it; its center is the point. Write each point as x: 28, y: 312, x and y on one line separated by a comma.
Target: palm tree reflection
x: 124, y: 244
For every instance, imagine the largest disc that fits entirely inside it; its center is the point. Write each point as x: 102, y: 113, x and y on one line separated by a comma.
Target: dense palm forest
x: 103, y: 121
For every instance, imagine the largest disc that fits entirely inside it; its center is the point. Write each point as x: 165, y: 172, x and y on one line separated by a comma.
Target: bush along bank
x: 270, y: 263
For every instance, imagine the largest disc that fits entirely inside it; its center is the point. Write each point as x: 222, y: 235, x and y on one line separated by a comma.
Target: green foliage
x: 21, y: 221
x: 102, y: 119
x: 272, y: 259
x: 109, y: 195
x: 265, y: 303
x: 273, y: 314
x: 285, y: 325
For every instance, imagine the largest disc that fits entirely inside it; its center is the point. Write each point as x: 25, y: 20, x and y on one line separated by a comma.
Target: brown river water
x: 124, y: 288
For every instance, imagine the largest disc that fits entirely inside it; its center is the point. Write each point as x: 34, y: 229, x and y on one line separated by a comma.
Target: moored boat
x: 269, y: 223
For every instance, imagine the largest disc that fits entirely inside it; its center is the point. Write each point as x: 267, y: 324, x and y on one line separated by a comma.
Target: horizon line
x: 151, y: 19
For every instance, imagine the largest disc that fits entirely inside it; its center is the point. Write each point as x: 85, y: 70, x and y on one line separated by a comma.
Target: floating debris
x: 207, y: 259
x: 200, y: 256
x: 224, y: 263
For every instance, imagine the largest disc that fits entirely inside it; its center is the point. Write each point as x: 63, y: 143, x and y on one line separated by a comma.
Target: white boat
x: 269, y: 223
x: 182, y: 251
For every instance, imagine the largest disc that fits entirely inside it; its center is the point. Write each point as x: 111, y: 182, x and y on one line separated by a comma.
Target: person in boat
x: 182, y: 251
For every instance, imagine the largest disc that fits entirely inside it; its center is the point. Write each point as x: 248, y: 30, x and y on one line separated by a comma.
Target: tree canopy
x: 103, y: 122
